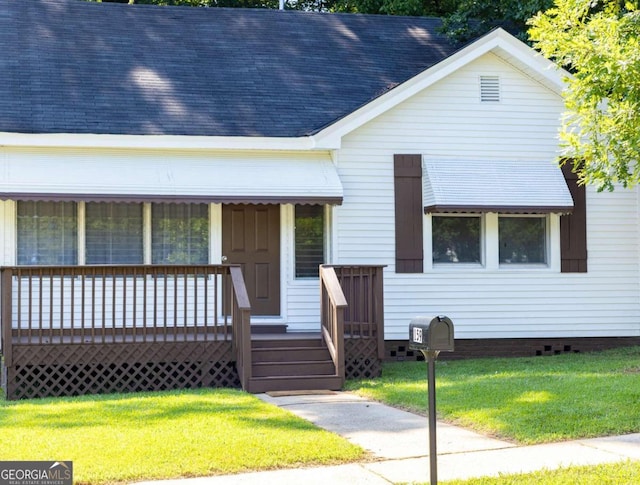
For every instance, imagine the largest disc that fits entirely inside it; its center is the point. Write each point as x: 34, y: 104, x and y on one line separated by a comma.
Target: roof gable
x: 498, y: 42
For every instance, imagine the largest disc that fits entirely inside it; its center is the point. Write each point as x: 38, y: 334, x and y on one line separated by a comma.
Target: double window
x: 58, y: 233
x: 522, y: 240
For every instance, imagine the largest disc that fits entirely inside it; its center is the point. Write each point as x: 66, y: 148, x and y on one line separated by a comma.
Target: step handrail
x: 241, y: 321
x: 332, y: 307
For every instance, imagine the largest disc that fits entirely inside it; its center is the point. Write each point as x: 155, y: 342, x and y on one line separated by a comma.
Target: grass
x: 526, y: 400
x: 117, y: 438
x: 121, y: 438
x: 624, y: 473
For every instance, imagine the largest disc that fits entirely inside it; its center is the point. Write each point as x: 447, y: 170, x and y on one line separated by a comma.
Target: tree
x: 599, y: 43
x: 202, y: 3
x: 387, y: 7
x: 472, y: 18
x: 434, y: 8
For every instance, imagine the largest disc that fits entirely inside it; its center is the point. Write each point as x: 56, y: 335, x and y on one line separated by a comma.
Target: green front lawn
x: 526, y: 400
x: 624, y: 473
x: 117, y: 438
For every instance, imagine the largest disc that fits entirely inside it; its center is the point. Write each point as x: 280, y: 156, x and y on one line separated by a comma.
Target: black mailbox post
x: 431, y: 335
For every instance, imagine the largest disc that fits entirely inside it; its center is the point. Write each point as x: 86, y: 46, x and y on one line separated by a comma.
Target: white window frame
x: 428, y: 244
x: 327, y: 240
x: 82, y: 231
x: 490, y: 249
x: 288, y: 223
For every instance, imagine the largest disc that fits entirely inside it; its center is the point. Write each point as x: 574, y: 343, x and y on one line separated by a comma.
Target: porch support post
x: 6, y: 277
x: 378, y: 296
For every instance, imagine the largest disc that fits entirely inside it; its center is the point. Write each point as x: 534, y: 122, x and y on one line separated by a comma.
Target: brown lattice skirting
x: 361, y: 358
x: 69, y: 370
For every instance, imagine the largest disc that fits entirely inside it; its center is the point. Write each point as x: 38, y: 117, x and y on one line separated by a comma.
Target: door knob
x: 224, y: 259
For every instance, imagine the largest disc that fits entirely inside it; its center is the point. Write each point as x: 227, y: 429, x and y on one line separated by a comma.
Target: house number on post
x: 431, y: 335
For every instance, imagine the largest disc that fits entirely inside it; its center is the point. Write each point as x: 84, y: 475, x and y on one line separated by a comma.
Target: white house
x: 322, y: 138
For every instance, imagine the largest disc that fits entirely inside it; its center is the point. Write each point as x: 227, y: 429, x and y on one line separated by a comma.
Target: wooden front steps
x: 291, y: 362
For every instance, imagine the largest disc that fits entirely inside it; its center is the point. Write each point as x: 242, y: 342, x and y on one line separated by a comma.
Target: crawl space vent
x: 489, y: 89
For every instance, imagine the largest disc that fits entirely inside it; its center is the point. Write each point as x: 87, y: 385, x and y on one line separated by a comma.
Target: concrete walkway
x: 398, y: 442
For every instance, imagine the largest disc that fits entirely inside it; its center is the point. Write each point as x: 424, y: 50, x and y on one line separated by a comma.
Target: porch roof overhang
x: 511, y: 186
x: 270, y: 180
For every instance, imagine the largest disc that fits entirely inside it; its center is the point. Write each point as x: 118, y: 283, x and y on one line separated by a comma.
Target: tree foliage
x: 599, y: 43
x: 433, y: 8
x: 472, y: 18
x: 385, y: 7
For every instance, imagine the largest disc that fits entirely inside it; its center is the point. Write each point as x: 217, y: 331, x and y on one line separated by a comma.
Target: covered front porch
x: 70, y: 330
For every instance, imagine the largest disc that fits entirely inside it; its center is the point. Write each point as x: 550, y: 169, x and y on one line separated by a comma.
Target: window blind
x: 47, y: 233
x: 114, y: 233
x: 180, y: 233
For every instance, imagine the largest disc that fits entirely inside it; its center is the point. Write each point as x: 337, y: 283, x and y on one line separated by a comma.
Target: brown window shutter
x: 573, y: 227
x: 409, y: 213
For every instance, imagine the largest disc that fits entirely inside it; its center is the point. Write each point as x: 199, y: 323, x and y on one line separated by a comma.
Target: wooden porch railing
x: 363, y: 289
x: 332, y: 309
x: 130, y: 303
x: 352, y: 318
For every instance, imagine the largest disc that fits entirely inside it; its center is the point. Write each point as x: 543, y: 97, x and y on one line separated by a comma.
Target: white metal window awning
x: 277, y: 178
x: 517, y: 187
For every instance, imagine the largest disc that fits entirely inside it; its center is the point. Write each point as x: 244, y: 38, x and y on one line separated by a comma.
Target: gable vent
x: 489, y: 89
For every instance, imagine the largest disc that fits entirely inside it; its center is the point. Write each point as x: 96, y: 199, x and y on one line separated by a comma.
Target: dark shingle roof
x: 70, y: 66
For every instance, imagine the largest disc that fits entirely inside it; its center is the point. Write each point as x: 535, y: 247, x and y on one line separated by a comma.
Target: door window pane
x: 180, y: 233
x: 456, y: 239
x: 309, y: 240
x: 47, y: 233
x: 522, y: 240
x: 113, y: 233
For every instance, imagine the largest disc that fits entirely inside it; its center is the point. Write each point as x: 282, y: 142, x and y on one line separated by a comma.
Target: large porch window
x: 69, y: 233
x: 309, y: 240
x: 47, y: 233
x: 179, y: 233
x: 113, y: 233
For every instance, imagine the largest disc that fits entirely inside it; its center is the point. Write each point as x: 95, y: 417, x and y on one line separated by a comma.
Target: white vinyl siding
x: 447, y: 120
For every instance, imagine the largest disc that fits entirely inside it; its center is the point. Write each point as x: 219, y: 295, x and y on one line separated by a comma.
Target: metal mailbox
x: 431, y: 333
